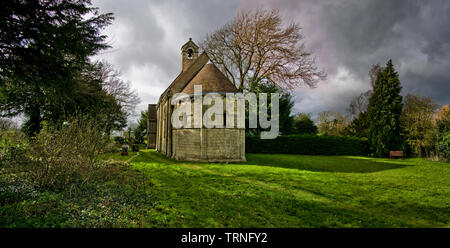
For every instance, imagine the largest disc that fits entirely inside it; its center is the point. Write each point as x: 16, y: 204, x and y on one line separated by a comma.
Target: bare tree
x: 257, y: 46
x: 116, y: 87
x: 359, y: 104
x: 443, y: 113
x: 332, y: 123
x: 373, y: 73
x: 6, y: 123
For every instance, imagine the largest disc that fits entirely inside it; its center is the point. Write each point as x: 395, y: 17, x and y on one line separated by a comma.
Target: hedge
x: 308, y: 145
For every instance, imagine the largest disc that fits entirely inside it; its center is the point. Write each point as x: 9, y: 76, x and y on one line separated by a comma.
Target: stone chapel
x: 195, y: 143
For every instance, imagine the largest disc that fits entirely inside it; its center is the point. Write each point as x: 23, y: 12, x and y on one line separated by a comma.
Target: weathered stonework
x: 195, y: 144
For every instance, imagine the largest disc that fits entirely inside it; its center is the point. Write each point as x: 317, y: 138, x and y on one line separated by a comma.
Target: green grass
x: 269, y: 190
x: 298, y: 191
x: 118, y: 157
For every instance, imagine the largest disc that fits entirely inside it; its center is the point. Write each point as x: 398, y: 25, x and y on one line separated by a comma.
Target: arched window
x: 189, y: 53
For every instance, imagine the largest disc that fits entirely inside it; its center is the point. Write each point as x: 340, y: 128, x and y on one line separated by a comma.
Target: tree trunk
x: 34, y: 122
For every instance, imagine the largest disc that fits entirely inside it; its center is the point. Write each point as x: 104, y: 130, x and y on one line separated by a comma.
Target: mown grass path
x: 296, y: 191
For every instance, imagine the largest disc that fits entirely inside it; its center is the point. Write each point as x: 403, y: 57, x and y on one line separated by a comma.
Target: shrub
x: 68, y: 155
x: 15, y: 189
x: 442, y: 135
x: 418, y: 124
x: 443, y: 146
x: 332, y: 123
x: 304, y: 125
x: 119, y: 140
x: 111, y: 147
x: 13, y: 148
x: 6, y: 124
x: 308, y: 145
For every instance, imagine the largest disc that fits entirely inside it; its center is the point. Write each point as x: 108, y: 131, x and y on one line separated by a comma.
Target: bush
x: 13, y: 148
x: 119, y: 140
x: 308, y: 145
x: 443, y: 146
x: 442, y: 136
x: 68, y: 155
x: 6, y: 124
x: 111, y: 147
x: 15, y: 189
x: 304, y: 125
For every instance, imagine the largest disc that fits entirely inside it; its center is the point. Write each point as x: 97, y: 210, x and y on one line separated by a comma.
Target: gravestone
x: 124, y: 150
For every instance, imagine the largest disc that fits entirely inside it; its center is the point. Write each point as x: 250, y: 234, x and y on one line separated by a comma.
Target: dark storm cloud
x: 146, y: 37
x: 346, y: 36
x: 138, y: 28
x: 362, y: 33
x: 146, y: 24
x: 352, y: 35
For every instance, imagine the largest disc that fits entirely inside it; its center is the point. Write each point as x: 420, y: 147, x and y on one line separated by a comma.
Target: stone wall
x: 209, y: 145
x: 198, y: 144
x: 226, y: 144
x: 187, y: 144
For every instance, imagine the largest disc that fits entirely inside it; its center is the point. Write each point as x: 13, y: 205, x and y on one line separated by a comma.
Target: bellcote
x: 189, y: 52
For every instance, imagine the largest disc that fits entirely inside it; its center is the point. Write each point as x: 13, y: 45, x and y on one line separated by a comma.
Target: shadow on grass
x: 301, y: 162
x: 212, y: 200
x: 324, y: 163
x: 206, y: 196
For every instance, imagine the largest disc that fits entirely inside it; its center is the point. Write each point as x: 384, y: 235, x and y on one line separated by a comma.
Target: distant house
x: 195, y: 144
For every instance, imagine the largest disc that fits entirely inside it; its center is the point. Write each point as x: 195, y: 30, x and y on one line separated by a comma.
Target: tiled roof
x: 211, y: 80
x: 200, y: 73
x: 184, y: 77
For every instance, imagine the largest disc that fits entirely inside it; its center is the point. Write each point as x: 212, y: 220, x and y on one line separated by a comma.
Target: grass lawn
x: 118, y: 157
x: 269, y: 190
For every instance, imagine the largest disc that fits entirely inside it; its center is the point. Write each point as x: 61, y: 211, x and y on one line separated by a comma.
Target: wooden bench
x: 395, y: 154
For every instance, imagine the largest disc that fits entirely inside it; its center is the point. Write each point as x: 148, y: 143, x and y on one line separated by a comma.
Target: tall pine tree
x: 44, y: 47
x: 385, y: 109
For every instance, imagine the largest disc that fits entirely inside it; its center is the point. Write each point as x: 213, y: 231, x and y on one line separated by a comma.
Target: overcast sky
x: 346, y: 36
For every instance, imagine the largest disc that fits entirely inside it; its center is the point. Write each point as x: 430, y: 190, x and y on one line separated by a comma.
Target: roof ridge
x: 212, y: 80
x: 185, y: 77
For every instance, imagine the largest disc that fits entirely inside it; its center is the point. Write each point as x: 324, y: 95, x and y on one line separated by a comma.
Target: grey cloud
x: 147, y: 33
x: 146, y: 37
x: 139, y: 26
x: 358, y: 33
x: 345, y: 35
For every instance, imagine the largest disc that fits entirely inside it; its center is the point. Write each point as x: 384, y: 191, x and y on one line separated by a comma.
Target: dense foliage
x: 140, y: 132
x: 332, y: 123
x: 359, y: 127
x: 45, y: 71
x: 67, y: 155
x: 286, y: 103
x: 59, y: 179
x: 13, y: 148
x: 303, y: 124
x: 308, y: 145
x: 385, y: 109
x: 418, y: 124
x: 115, y: 100
x: 57, y: 157
x: 442, y: 133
